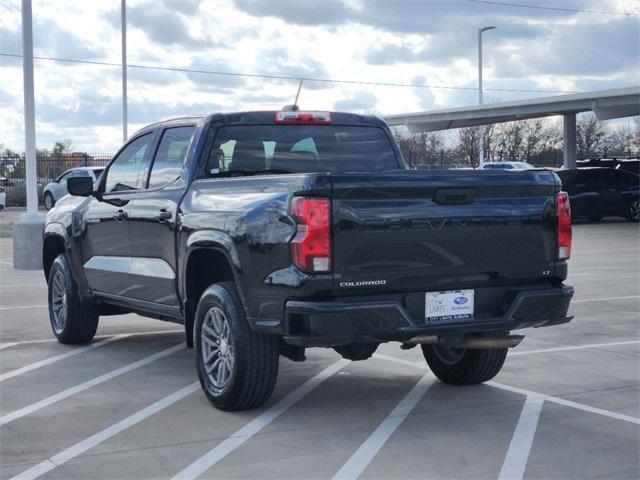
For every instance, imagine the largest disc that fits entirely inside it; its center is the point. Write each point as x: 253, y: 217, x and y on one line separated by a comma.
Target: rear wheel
x: 237, y: 367
x: 49, y: 202
x: 634, y: 211
x: 72, y: 321
x: 460, y: 366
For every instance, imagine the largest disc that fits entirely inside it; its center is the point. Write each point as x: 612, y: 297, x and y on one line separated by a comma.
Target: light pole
x: 27, y: 233
x: 123, y: 19
x: 481, y: 30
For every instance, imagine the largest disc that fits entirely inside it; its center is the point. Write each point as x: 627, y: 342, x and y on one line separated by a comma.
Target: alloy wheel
x: 447, y: 355
x: 59, y: 306
x: 218, y: 352
x: 634, y: 210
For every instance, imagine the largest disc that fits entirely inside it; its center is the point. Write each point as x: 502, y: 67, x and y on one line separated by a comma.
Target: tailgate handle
x: 458, y: 196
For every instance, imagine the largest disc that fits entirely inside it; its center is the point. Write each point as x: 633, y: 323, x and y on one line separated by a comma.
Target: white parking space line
x: 94, y: 440
x: 573, y: 347
x: 517, y: 456
x: 56, y: 358
x: 24, y: 285
x: 21, y: 307
x: 6, y: 263
x: 362, y: 457
x: 522, y: 391
x: 605, y: 299
x: 234, y: 441
x: 10, y: 417
x: 567, y: 403
x: 48, y: 340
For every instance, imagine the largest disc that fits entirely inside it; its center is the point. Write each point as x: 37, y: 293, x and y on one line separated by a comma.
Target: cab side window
x: 123, y: 172
x: 169, y: 158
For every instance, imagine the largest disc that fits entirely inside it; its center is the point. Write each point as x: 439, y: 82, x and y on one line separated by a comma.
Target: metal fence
x: 49, y: 167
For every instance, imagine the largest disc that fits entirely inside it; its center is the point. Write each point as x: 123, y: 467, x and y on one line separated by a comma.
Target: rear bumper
x: 334, y: 323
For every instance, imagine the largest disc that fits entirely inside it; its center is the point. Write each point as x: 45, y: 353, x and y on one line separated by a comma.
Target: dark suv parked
x: 599, y: 192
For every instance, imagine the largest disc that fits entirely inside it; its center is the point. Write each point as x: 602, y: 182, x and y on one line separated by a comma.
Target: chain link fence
x: 49, y: 168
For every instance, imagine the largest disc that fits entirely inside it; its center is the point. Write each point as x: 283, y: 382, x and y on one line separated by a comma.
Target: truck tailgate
x: 439, y: 230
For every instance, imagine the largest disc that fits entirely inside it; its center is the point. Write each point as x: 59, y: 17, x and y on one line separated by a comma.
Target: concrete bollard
x: 27, y: 242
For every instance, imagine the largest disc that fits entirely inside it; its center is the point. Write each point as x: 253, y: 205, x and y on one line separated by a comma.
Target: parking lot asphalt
x: 566, y: 404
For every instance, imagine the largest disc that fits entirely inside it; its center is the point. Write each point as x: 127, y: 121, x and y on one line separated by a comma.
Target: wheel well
x: 53, y: 246
x: 204, y: 268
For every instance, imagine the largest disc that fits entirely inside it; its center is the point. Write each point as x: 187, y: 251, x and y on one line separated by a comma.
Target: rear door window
x: 169, y: 158
x: 302, y: 148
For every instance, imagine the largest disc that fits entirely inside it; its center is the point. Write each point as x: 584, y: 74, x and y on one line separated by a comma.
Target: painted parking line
x: 100, y: 337
x: 57, y: 358
x: 573, y: 347
x: 605, y: 299
x: 517, y: 456
x: 234, y: 441
x: 362, y: 457
x: 567, y: 403
x: 94, y: 440
x: 21, y: 307
x: 522, y: 391
x: 10, y: 417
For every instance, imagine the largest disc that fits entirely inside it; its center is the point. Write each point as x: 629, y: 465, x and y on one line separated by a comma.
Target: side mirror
x: 80, y: 186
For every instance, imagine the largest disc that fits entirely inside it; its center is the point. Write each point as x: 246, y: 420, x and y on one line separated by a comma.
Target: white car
x: 507, y: 166
x: 57, y: 189
x: 3, y: 198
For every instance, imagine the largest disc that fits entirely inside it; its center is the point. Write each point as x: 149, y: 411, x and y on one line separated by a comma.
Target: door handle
x: 120, y: 215
x: 163, y: 215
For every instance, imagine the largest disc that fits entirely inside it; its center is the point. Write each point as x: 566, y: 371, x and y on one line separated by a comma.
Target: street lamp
x: 481, y: 30
x: 123, y: 27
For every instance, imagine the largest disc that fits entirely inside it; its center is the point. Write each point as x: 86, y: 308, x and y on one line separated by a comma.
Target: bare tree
x: 590, y: 134
x: 63, y: 146
x: 469, y: 144
x: 420, y: 149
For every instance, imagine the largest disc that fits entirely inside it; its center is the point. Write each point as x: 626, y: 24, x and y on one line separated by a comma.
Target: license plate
x: 451, y: 305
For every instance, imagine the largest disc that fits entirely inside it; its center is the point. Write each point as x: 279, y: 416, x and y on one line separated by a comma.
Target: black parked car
x: 600, y: 192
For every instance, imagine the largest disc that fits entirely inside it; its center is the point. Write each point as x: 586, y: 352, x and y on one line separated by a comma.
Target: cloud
x: 279, y: 61
x: 50, y: 39
x: 359, y: 101
x: 207, y: 63
x: 100, y: 110
x: 425, y: 96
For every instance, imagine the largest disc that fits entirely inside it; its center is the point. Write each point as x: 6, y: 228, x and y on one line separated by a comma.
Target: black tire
x: 633, y: 215
x: 72, y: 321
x: 49, y: 202
x: 464, y: 366
x: 595, y: 219
x: 249, y: 358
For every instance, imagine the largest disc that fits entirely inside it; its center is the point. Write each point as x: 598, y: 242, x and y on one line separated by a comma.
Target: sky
x: 540, y: 48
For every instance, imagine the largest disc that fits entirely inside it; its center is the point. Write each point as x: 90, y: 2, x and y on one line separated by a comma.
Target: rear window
x: 302, y: 148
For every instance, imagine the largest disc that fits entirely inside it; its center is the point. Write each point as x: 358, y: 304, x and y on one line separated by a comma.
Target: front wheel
x: 237, y: 367
x: 460, y: 366
x: 72, y: 321
x: 49, y: 202
x: 634, y: 211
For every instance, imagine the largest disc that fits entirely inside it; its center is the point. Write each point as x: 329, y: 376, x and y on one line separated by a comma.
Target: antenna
x: 295, y: 102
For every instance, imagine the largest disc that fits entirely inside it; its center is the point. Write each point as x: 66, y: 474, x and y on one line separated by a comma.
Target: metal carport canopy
x: 606, y: 104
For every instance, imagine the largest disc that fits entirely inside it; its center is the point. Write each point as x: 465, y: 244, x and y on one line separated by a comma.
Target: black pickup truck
x: 266, y: 233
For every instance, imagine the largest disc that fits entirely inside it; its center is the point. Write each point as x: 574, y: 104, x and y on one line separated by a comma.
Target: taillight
x: 309, y: 118
x: 311, y: 246
x: 564, y: 226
